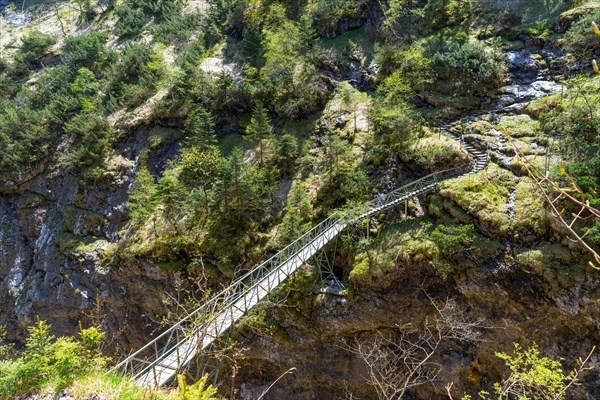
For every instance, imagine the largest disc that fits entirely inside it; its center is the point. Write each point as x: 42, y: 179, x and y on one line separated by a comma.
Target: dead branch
x: 542, y: 181
x: 404, y: 358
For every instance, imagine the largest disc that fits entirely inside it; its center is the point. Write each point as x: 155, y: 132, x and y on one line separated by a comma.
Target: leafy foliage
x: 580, y: 40
x: 466, y: 69
x: 531, y: 377
x: 575, y: 122
x: 48, y: 360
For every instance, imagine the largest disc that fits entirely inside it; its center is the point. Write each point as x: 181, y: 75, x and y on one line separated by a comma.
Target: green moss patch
x: 161, y: 134
x: 519, y: 126
x: 483, y: 195
x: 531, y: 220
x: 451, y: 251
x: 556, y: 264
x: 82, y: 222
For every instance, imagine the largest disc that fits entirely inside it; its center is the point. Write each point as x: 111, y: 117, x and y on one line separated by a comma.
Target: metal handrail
x: 248, y: 285
x: 229, y: 296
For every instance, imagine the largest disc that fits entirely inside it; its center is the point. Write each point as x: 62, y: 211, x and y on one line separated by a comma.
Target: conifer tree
x: 200, y: 129
x: 259, y: 129
x: 252, y: 48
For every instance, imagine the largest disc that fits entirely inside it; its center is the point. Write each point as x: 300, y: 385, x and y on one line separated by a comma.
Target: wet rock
x: 17, y: 18
x: 515, y: 95
x: 546, y: 87
x: 521, y: 60
x: 65, y: 394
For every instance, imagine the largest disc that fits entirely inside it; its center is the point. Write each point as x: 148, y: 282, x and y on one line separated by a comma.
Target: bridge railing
x: 166, y: 343
x: 219, y: 313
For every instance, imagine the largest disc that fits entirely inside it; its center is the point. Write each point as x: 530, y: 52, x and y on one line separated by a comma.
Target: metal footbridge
x: 161, y: 359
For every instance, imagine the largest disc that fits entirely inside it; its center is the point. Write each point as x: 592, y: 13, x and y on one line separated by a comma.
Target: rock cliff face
x: 514, y: 304
x: 53, y: 230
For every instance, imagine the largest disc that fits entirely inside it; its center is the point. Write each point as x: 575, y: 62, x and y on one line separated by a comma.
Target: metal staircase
x: 158, y: 361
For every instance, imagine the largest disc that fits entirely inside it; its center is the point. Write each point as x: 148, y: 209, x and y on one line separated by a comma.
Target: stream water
x: 13, y: 17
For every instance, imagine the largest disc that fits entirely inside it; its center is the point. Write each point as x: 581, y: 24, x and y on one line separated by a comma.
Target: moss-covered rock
x: 531, y: 221
x: 82, y: 222
x: 483, y: 195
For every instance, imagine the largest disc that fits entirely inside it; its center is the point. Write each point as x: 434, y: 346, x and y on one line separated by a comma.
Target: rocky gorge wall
x: 53, y: 230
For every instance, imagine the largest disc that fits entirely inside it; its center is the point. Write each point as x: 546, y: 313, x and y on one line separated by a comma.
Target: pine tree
x: 252, y: 49
x: 350, y: 100
x: 140, y: 194
x: 200, y: 129
x: 287, y: 151
x: 259, y: 129
x: 200, y: 168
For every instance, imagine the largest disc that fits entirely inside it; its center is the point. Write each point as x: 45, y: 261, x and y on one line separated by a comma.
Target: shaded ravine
x: 157, y: 362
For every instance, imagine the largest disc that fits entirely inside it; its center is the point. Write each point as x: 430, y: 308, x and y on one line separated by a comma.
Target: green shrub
x: 466, y: 69
x: 573, y: 119
x: 91, y: 135
x: 48, y: 361
x: 176, y: 29
x: 580, y: 40
x: 393, y: 117
x: 131, y: 21
x: 134, y: 15
x: 24, y: 139
x: 34, y: 46
x: 532, y: 376
x: 133, y: 78
x: 87, y: 51
x: 440, y: 14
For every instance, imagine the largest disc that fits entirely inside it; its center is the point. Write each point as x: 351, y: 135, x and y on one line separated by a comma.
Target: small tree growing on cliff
x: 532, y: 377
x: 350, y: 101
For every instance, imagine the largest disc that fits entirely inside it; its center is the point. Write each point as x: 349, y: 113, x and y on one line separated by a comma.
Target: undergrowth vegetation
x: 233, y: 126
x: 50, y: 362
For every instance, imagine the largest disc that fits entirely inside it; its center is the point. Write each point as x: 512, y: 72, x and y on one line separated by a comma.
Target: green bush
x: 131, y: 21
x: 134, y: 15
x: 574, y: 121
x: 440, y: 14
x: 91, y: 135
x: 466, y: 69
x: 393, y: 117
x: 133, y: 78
x: 176, y: 29
x: 87, y: 51
x: 532, y: 376
x: 24, y: 139
x: 581, y: 41
x: 51, y: 362
x: 34, y: 46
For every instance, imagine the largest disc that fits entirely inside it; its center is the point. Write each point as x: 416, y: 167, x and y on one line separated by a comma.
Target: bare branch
x: 400, y: 359
x: 540, y: 179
